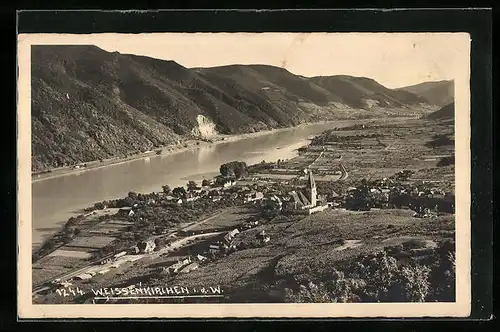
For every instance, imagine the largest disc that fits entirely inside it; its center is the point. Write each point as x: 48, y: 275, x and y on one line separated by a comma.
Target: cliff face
x: 205, y: 127
x: 89, y: 104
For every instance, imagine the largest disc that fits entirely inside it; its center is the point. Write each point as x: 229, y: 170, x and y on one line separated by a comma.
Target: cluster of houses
x: 80, y: 166
x: 303, y: 201
x: 217, y: 190
x: 298, y: 201
x: 184, y: 265
x: 112, y: 262
x: 388, y: 193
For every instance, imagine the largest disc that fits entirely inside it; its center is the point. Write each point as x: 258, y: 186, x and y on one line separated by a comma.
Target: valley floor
x: 337, y: 255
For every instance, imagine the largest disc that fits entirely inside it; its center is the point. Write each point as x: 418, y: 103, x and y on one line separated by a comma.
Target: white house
x: 229, y: 183
x: 253, y: 197
x: 146, y: 247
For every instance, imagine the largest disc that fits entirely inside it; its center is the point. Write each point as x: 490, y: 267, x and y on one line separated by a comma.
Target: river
x: 57, y: 199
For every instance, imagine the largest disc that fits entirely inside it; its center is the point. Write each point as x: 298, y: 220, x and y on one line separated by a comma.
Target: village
x: 194, y: 226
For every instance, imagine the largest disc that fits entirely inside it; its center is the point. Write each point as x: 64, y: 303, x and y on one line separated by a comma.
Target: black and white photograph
x: 237, y: 169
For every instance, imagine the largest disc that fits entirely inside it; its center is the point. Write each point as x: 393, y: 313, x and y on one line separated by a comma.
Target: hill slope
x: 89, y: 104
x: 438, y: 93
x: 445, y: 113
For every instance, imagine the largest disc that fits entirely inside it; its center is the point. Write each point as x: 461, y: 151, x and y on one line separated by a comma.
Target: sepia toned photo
x: 244, y: 175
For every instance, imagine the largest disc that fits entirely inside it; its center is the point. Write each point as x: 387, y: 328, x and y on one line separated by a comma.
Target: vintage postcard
x: 214, y: 175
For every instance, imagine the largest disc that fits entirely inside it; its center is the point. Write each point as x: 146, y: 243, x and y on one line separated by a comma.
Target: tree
x: 236, y: 169
x: 166, y: 189
x: 205, y: 183
x: 99, y: 206
x: 191, y: 185
x: 159, y: 242
x: 179, y: 192
x: 132, y: 195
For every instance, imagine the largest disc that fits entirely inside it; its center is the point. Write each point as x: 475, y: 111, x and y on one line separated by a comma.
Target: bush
x: 372, y: 278
x: 415, y: 282
x: 414, y: 244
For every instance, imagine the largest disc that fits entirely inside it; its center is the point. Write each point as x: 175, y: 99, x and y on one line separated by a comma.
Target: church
x: 305, y: 201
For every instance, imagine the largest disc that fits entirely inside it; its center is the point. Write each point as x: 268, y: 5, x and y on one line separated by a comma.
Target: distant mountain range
x: 439, y: 93
x: 89, y: 104
x: 445, y: 113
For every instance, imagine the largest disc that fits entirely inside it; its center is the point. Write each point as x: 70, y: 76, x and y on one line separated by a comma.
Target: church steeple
x: 310, y: 181
x: 311, y: 189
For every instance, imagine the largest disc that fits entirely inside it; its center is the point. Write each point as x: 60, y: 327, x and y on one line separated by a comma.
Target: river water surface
x: 57, y: 199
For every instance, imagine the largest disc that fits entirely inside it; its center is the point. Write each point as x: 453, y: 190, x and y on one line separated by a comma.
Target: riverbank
x: 178, y: 148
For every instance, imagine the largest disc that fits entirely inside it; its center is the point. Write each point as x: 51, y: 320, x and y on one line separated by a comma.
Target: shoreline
x: 191, y: 145
x: 169, y: 150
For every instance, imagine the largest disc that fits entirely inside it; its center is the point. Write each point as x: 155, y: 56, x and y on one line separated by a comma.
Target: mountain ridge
x: 439, y: 93
x: 90, y: 104
x: 447, y: 112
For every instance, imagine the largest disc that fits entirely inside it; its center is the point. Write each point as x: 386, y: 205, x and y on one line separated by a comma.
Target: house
x: 263, y: 237
x: 83, y: 276
x: 191, y: 197
x: 134, y: 250
x: 214, y: 192
x: 228, y: 183
x: 105, y: 261
x: 214, y: 249
x: 217, y: 248
x: 190, y: 267
x: 120, y: 254
x: 66, y: 284
x: 201, y: 258
x: 254, y: 196
x: 254, y: 223
x: 175, y: 268
x: 104, y: 271
x: 244, y: 189
x: 160, y: 230
x: 146, y: 247
x: 333, y: 198
x: 125, y: 212
x: 228, y: 238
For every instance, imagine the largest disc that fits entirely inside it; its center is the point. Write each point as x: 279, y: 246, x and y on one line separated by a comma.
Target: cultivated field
x: 227, y: 220
x: 314, y: 245
x: 380, y: 150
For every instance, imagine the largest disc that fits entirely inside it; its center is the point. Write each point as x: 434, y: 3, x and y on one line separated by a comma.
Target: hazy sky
x: 392, y: 59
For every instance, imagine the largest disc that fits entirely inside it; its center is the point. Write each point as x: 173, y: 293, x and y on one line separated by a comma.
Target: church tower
x: 311, y: 189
